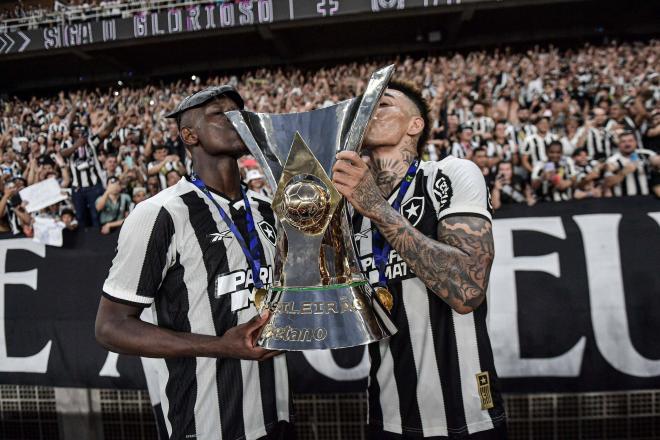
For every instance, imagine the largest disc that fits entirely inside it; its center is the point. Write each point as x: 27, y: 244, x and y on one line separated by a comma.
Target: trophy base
x: 324, y: 317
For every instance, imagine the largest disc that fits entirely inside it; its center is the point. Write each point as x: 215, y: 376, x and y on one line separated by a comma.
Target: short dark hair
x: 413, y: 93
x: 553, y: 143
x: 578, y: 151
x: 503, y: 162
x: 479, y: 150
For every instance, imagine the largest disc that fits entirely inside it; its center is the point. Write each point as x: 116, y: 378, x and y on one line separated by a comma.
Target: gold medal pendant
x: 385, y: 298
x: 259, y: 297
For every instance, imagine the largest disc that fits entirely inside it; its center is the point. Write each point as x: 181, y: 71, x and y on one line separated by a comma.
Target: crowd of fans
x: 22, y: 10
x: 543, y: 125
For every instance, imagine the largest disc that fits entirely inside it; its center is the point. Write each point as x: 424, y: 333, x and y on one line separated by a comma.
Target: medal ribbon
x: 252, y: 253
x: 380, y: 247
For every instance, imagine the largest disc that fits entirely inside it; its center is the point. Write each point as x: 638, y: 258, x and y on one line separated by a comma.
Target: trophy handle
x: 374, y: 91
x: 238, y: 118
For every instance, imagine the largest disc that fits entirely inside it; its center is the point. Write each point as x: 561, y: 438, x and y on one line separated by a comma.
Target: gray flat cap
x: 203, y: 96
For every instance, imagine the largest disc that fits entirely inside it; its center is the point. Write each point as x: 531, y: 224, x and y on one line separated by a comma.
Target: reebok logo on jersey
x: 218, y: 236
x: 413, y: 209
x: 362, y: 234
x: 442, y: 190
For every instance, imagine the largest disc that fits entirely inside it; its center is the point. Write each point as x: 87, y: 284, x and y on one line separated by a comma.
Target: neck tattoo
x: 388, y: 171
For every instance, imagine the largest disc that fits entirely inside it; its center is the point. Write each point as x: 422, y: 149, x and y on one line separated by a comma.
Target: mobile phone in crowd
x: 634, y: 156
x: 550, y: 166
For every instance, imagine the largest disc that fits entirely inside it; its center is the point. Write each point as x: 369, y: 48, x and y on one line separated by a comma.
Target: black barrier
x: 209, y: 17
x: 573, y: 306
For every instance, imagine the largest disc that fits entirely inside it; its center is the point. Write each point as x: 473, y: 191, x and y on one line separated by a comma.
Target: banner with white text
x: 573, y: 305
x: 201, y: 17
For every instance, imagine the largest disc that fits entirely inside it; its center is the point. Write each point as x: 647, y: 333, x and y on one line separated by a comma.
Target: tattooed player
x: 423, y: 231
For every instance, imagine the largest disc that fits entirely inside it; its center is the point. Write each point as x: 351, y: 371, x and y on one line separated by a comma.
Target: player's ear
x: 415, y: 126
x: 189, y: 136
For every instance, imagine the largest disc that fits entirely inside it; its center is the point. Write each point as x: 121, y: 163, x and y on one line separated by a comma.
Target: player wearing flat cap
x: 195, y: 254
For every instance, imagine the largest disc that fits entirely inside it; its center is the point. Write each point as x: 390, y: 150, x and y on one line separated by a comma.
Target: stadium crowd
x: 543, y: 125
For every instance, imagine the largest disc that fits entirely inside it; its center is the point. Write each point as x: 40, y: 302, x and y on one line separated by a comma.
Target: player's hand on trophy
x: 354, y: 180
x: 240, y: 342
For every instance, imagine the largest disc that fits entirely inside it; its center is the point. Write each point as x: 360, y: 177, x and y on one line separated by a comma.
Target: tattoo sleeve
x: 456, y: 267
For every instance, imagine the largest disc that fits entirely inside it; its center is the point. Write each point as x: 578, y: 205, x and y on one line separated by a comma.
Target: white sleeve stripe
x: 126, y: 295
x: 467, y: 210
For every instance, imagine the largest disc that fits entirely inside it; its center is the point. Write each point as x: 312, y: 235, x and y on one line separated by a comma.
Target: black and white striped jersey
x: 504, y: 150
x: 423, y: 380
x: 519, y: 133
x: 600, y: 143
x: 547, y: 191
x: 176, y: 255
x: 637, y: 182
x: 582, y: 171
x: 85, y: 167
x: 535, y: 146
x: 463, y: 151
x: 162, y: 173
x: 482, y: 124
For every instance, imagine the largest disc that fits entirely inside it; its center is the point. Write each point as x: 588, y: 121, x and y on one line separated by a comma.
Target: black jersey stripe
x: 446, y: 352
x: 405, y: 371
x: 172, y: 312
x: 268, y: 403
x: 267, y: 369
x: 375, y: 411
x: 228, y: 371
x: 487, y: 363
x: 156, y: 254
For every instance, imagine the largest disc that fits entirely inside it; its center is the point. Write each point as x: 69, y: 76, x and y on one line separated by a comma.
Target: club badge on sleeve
x: 483, y: 384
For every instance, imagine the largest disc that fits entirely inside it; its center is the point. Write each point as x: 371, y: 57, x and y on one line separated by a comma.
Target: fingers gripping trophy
x: 319, y: 298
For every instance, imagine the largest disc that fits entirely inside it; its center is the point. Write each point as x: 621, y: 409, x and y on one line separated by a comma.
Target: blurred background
x: 556, y: 101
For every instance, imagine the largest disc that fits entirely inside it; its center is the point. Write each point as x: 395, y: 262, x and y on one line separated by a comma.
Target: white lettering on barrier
x: 109, y: 368
x: 155, y: 25
x: 109, y: 30
x: 600, y: 235
x: 71, y: 35
x: 37, y: 363
x: 503, y: 307
x: 247, y: 16
x: 192, y: 21
x: 607, y: 302
x: 174, y: 21
x: 227, y: 15
x: 324, y: 363
x: 265, y: 11
x: 210, y: 18
x: 140, y: 26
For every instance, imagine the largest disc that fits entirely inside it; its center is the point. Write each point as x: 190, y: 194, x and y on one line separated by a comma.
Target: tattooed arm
x: 456, y: 267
